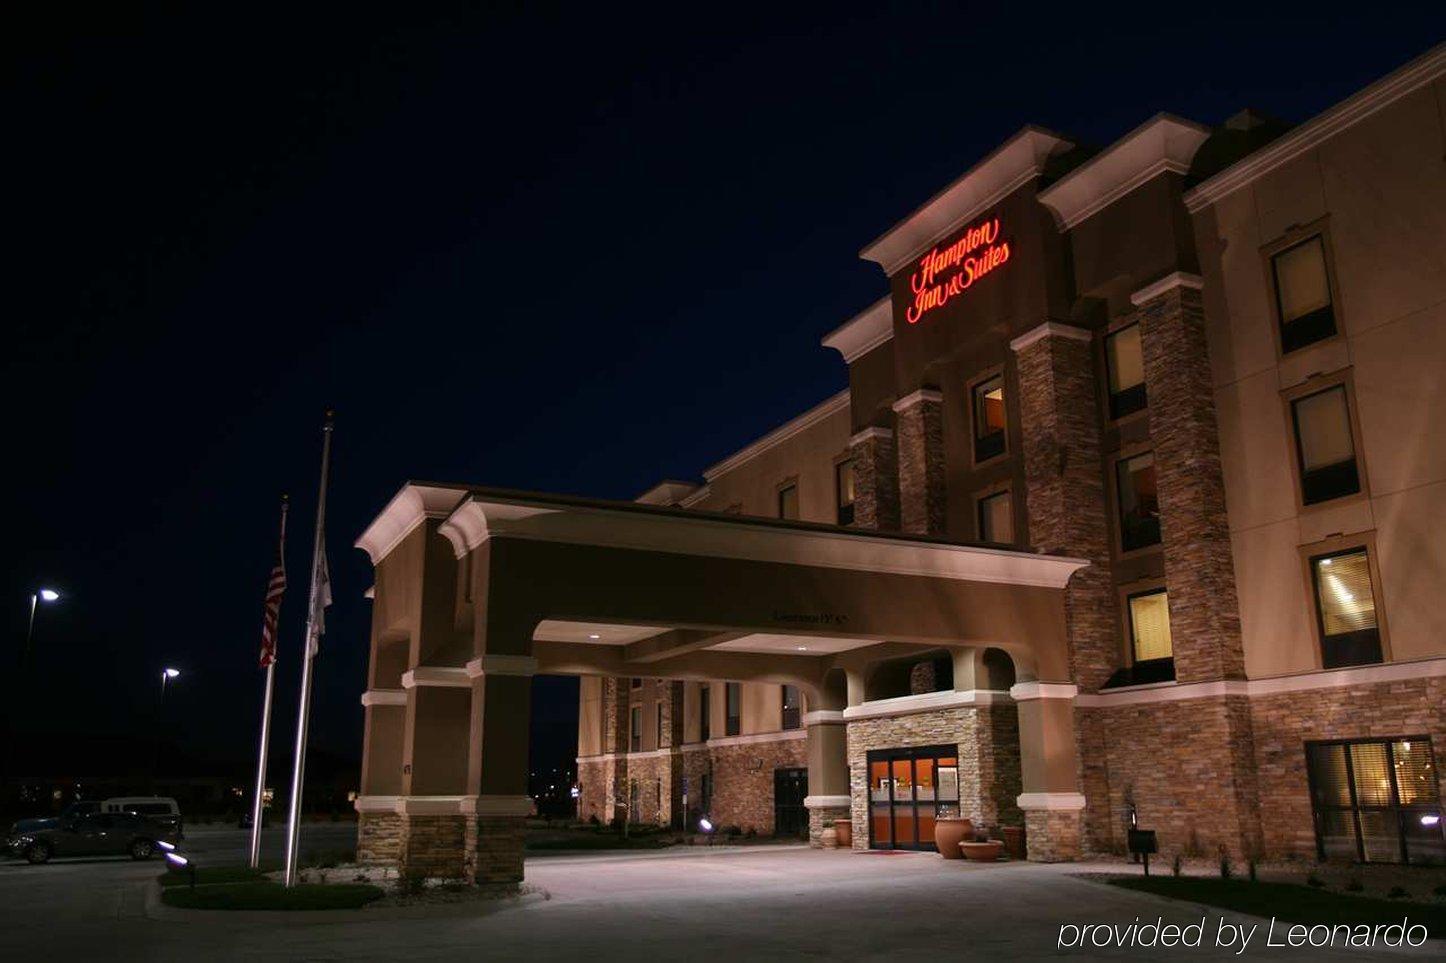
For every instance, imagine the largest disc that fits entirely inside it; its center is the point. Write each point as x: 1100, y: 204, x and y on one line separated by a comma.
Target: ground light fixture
x: 705, y: 824
x: 181, y: 862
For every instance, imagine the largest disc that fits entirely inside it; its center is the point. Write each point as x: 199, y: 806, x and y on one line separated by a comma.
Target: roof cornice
x: 863, y: 332
x: 780, y: 434
x: 407, y: 509
x: 1013, y: 164
x: 1311, y: 134
x: 1164, y: 143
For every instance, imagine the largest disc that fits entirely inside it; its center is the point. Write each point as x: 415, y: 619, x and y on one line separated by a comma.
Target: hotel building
x: 1131, y: 513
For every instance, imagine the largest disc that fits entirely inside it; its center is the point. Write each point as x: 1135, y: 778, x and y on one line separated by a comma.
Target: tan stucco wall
x: 589, y: 716
x: 1380, y: 182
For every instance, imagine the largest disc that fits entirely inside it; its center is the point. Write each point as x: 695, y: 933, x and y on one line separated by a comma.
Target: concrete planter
x: 983, y: 852
x: 949, y: 832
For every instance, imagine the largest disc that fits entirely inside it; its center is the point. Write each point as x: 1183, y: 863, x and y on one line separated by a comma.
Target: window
x: 791, y: 717
x: 704, y: 713
x: 987, y: 402
x: 1302, y: 294
x: 1325, y: 448
x: 733, y: 705
x: 637, y: 682
x: 1345, y: 608
x: 1125, y: 371
x: 843, y: 479
x: 1148, y: 614
x: 1376, y: 800
x: 660, y: 741
x: 635, y: 729
x: 1139, y: 502
x: 996, y: 518
x: 788, y: 501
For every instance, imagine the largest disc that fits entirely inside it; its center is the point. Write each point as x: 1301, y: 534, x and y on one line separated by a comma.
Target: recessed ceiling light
x: 594, y: 635
x: 802, y: 648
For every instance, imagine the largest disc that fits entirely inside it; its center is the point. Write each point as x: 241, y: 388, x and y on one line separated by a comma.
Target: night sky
x: 567, y: 251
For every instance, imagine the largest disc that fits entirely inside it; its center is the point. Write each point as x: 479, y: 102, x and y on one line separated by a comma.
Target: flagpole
x: 257, y: 804
x: 303, y: 713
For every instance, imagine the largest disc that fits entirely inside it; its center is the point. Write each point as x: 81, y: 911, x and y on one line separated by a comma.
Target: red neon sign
x: 974, y: 255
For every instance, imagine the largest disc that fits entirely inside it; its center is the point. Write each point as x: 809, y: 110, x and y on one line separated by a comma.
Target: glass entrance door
x: 907, y: 787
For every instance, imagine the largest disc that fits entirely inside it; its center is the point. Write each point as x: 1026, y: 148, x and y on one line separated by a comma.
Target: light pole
x: 12, y: 733
x: 167, y: 674
x: 44, y: 595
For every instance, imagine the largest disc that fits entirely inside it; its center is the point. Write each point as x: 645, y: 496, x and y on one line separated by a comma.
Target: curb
x: 156, y: 910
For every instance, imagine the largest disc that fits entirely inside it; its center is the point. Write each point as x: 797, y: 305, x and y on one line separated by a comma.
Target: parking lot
x: 746, y: 903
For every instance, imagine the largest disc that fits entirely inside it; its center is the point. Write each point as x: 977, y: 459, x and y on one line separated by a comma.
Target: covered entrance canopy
x: 477, y: 589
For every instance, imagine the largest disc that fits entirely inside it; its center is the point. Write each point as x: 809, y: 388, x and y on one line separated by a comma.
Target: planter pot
x: 949, y: 832
x: 844, y: 828
x: 1014, y: 841
x: 983, y: 852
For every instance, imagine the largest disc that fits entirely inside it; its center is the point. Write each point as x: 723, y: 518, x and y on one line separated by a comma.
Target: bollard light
x: 705, y: 824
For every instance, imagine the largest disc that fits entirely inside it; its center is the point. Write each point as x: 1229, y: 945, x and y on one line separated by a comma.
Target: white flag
x: 323, y: 602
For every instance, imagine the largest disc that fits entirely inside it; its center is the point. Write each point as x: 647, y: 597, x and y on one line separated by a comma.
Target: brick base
x: 432, y: 846
x: 378, y: 838
x: 1052, y: 835
x: 821, y: 819
x: 493, y: 857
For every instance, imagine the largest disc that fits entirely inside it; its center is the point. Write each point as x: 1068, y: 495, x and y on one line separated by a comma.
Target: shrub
x: 1397, y: 892
x: 1440, y: 890
x: 1354, y: 885
x: 1175, y: 865
x: 1226, y: 869
x: 1315, y: 881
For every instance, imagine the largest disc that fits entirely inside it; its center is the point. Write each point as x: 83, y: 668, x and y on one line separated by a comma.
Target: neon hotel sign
x: 947, y: 272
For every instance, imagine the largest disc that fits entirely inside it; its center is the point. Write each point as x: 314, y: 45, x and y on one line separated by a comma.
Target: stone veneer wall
x: 743, y: 781
x: 920, y: 449
x: 653, y: 774
x: 494, y: 851
x: 876, y: 481
x: 987, y: 738
x: 378, y: 838
x: 433, y: 846
x: 1284, y: 723
x: 594, y: 797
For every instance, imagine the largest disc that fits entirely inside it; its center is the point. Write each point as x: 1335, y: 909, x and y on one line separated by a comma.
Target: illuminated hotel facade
x: 1130, y: 513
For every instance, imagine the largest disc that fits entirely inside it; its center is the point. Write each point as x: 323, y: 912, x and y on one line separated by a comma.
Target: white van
x: 162, y: 809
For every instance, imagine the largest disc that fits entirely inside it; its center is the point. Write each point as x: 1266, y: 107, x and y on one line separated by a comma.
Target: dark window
x: 1151, y: 649
x: 1125, y: 366
x: 1325, y: 450
x: 996, y: 518
x: 704, y: 714
x: 705, y: 792
x: 733, y: 704
x: 791, y: 718
x: 660, y: 741
x: 1345, y: 609
x: 635, y: 729
x: 1139, y: 502
x: 989, y: 418
x: 844, y: 488
x: 788, y: 501
x: 1303, y: 294
x: 1376, y: 800
x: 637, y: 683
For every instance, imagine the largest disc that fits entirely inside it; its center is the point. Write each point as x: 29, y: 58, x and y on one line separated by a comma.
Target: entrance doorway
x: 790, y: 786
x: 907, y: 788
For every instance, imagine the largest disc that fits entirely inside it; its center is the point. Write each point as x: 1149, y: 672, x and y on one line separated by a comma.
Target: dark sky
x: 572, y: 251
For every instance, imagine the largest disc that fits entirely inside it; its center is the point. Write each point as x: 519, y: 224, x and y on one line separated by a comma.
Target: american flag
x: 275, y: 588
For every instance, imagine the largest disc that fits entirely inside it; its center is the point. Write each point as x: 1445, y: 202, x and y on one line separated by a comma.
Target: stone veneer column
x: 828, y: 772
x: 1199, y: 572
x: 1064, y: 486
x: 920, y: 420
x: 434, y: 774
x: 1053, y: 809
x: 876, y: 481
x: 615, y: 744
x: 497, y: 806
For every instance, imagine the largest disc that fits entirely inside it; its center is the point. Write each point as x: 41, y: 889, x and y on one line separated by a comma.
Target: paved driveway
x: 745, y: 904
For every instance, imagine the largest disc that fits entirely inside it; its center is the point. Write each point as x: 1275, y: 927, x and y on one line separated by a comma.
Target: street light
x: 14, y: 713
x: 167, y: 674
x: 44, y: 595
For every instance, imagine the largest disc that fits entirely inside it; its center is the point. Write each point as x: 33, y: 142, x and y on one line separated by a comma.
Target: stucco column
x: 920, y: 443
x: 434, y: 772
x: 1059, y: 420
x: 1051, y: 801
x: 1199, y: 571
x: 876, y: 481
x: 497, y: 803
x: 378, y: 823
x: 828, y: 771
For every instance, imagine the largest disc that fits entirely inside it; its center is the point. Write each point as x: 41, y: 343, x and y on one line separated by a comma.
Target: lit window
x: 844, y: 489
x: 989, y: 418
x: 1376, y: 800
x: 791, y: 717
x: 1139, y: 502
x: 1125, y: 367
x: 733, y: 704
x: 1324, y: 446
x: 1346, y: 609
x: 996, y: 518
x: 788, y: 501
x: 1303, y: 294
x: 1149, y: 614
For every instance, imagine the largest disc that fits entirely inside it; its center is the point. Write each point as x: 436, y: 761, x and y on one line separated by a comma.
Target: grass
x: 259, y: 895
x: 1288, y: 901
x: 209, y: 875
